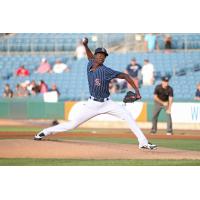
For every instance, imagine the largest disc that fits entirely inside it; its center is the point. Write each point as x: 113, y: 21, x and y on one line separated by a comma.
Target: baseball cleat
x: 39, y: 136
x: 148, y: 146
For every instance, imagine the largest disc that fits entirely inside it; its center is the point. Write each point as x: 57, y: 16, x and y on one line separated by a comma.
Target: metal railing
x: 122, y: 42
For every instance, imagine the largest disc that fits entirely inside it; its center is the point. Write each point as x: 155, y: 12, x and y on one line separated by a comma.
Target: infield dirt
x: 76, y: 149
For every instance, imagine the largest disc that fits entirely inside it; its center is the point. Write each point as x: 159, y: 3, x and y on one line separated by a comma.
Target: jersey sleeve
x: 110, y: 73
x: 90, y: 63
x: 171, y: 93
x: 156, y: 90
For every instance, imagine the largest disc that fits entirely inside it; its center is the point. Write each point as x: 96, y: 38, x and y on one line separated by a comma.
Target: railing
x: 122, y: 42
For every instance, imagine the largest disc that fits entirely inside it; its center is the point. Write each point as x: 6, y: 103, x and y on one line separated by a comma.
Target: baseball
x: 85, y: 40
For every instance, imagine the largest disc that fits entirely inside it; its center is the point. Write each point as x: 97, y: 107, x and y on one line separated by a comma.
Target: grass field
x: 193, y: 145
x: 71, y: 162
x: 184, y: 144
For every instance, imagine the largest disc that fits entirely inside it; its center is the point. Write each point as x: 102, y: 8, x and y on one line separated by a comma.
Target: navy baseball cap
x: 165, y: 78
x: 101, y: 50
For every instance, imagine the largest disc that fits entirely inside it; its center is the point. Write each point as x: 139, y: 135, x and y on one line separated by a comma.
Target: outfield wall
x: 141, y: 111
x: 31, y: 110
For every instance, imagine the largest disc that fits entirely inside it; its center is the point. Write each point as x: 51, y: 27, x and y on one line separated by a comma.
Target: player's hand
x: 138, y: 96
x: 168, y: 111
x: 85, y: 41
x: 165, y: 104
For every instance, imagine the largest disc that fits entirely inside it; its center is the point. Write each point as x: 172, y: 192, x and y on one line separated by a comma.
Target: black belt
x: 99, y: 99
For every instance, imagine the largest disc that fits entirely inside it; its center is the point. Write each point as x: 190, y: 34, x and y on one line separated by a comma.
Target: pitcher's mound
x: 74, y: 149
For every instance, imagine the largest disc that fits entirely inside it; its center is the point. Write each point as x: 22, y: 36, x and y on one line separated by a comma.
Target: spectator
x: 43, y: 87
x: 7, y: 91
x: 197, y: 94
x: 54, y: 88
x: 133, y: 70
x: 33, y: 88
x: 80, y: 51
x: 60, y: 67
x: 44, y: 67
x: 168, y: 42
x: 121, y: 85
x: 113, y: 86
x: 147, y: 73
x: 150, y: 42
x: 21, y: 71
x: 21, y: 90
x: 163, y: 98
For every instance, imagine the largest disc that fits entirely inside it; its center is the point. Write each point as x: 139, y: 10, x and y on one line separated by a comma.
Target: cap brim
x: 101, y: 52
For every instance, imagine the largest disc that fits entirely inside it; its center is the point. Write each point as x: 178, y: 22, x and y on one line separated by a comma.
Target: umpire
x: 163, y: 98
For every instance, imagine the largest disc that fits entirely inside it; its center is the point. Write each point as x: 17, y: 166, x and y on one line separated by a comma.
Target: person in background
x: 121, y: 85
x: 54, y: 88
x: 33, y: 88
x: 8, y: 93
x: 21, y: 71
x: 21, y: 91
x: 197, y: 93
x: 133, y: 71
x: 80, y: 51
x: 147, y: 73
x: 113, y: 86
x: 168, y: 43
x: 43, y: 87
x: 44, y: 67
x: 60, y: 67
x: 163, y: 99
x: 18, y: 91
x: 150, y: 42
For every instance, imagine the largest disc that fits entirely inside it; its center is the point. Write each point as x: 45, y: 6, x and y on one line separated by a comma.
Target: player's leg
x: 156, y: 110
x: 88, y: 111
x: 122, y: 113
x: 169, y: 124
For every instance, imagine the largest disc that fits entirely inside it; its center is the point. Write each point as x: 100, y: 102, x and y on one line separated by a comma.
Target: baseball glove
x: 130, y: 97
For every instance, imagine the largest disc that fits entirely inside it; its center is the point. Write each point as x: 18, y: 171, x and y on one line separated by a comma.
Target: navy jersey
x: 163, y: 93
x: 197, y: 94
x: 133, y: 70
x: 99, y: 79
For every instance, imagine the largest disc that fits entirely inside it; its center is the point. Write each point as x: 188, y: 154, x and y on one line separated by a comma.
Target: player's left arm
x: 89, y: 53
x: 169, y: 107
x: 170, y: 101
x: 130, y: 81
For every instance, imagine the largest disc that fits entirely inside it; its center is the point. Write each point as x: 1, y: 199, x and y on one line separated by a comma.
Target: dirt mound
x: 74, y: 149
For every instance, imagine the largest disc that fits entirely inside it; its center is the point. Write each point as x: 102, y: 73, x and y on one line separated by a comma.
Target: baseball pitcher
x: 99, y: 101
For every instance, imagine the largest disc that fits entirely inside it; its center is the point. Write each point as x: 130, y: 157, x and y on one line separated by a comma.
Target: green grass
x: 182, y: 144
x: 71, y: 162
x: 19, y: 129
x: 32, y: 129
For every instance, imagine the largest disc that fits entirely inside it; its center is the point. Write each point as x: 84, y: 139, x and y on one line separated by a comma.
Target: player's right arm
x: 89, y: 54
x: 156, y: 98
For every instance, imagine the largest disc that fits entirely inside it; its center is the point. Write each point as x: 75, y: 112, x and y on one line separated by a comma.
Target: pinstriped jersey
x: 99, y: 80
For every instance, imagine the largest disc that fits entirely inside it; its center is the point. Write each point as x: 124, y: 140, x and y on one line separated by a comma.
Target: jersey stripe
x: 99, y: 80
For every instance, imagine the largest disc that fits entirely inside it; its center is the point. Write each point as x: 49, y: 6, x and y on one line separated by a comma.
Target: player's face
x: 165, y: 84
x: 100, y: 58
x: 133, y: 62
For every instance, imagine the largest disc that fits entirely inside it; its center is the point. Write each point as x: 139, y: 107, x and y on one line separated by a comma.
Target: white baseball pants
x: 93, y: 108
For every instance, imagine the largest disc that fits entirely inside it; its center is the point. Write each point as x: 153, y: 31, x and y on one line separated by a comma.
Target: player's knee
x: 73, y: 124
